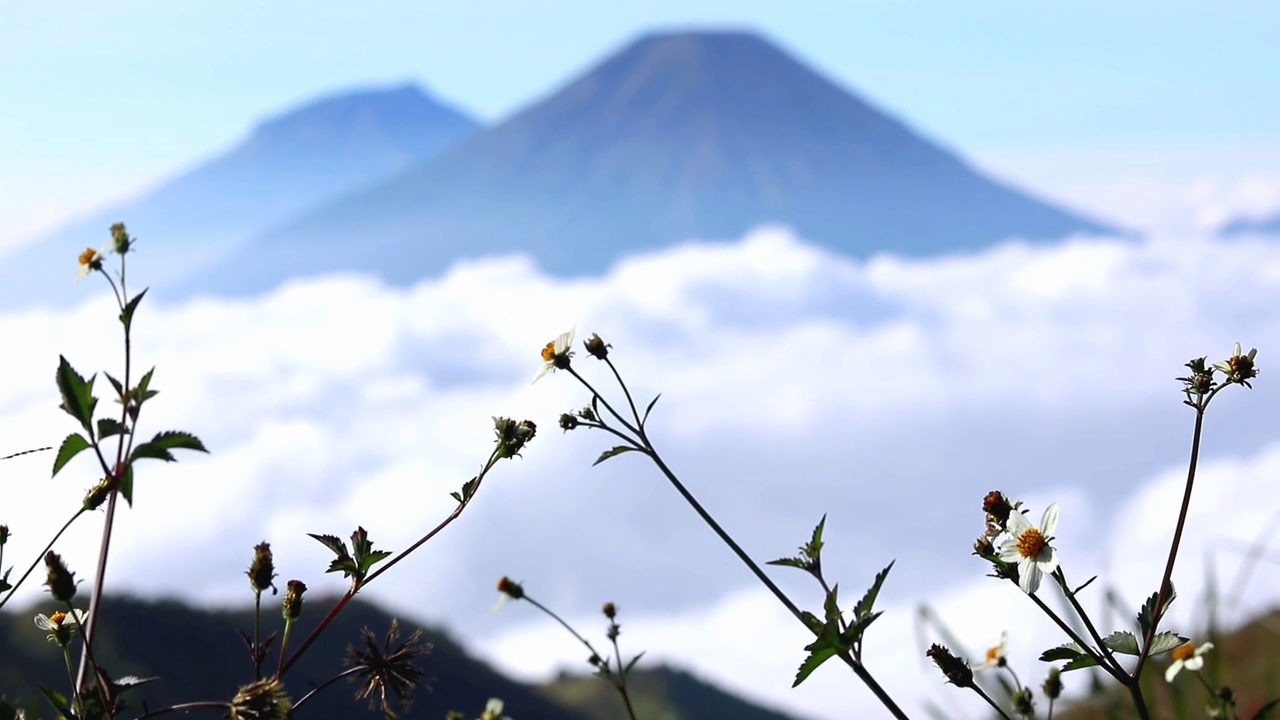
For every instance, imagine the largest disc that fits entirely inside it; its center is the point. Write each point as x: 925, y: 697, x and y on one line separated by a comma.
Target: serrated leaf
x: 868, y: 600
x: 1265, y: 710
x: 151, y: 450
x: 853, y: 633
x: 1068, y: 651
x: 813, y: 662
x: 126, y: 484
x: 178, y: 440
x: 468, y: 490
x: 633, y: 662
x: 373, y: 558
x: 790, y: 562
x: 831, y: 605
x: 612, y: 452
x: 1164, y: 642
x: 811, y: 621
x: 648, y: 409
x: 143, y: 391
x: 1149, y: 610
x: 4, y: 581
x: 77, y: 394
x: 813, y: 550
x: 115, y: 384
x: 58, y: 701
x: 126, y: 316
x: 1122, y: 642
x: 73, y: 445
x: 108, y: 427
x: 1080, y: 663
x: 334, y: 543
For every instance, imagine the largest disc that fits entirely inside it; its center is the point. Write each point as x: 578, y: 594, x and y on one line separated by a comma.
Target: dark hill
x: 677, y: 136
x: 288, y: 163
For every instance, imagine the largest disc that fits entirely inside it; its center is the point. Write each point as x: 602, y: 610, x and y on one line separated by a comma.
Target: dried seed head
x: 997, y: 507
x: 597, y: 347
x: 262, y: 571
x: 291, y: 606
x: 1053, y: 684
x: 957, y: 671
x: 60, y: 581
x: 261, y: 700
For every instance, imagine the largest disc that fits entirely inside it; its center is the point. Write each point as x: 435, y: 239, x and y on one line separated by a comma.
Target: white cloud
x: 890, y: 393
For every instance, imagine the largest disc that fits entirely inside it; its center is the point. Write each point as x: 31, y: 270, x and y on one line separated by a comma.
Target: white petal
x: 1017, y: 523
x: 1202, y: 649
x: 1047, y: 559
x: 43, y: 622
x: 493, y: 706
x: 1173, y: 671
x: 1049, y: 523
x: 565, y: 341
x: 546, y: 369
x: 1194, y: 662
x: 1009, y: 551
x: 1028, y: 577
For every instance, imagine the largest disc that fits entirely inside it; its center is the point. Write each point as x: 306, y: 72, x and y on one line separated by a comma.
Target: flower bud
x: 262, y: 570
x: 120, y: 240
x: 1053, y: 684
x: 597, y: 347
x: 510, y: 588
x: 4, y: 534
x: 610, y: 610
x: 60, y: 581
x: 568, y: 422
x: 292, y: 604
x: 957, y: 671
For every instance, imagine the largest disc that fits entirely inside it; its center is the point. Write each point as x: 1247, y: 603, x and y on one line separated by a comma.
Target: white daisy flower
x: 1029, y: 547
x: 61, y: 626
x: 557, y: 353
x: 995, y: 655
x: 493, y: 710
x: 1187, y: 655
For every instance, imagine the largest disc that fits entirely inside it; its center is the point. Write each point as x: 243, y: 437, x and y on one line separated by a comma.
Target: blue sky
x: 101, y: 101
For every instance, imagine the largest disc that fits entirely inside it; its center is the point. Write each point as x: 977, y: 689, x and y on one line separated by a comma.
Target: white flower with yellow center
x: 995, y: 655
x: 1186, y: 655
x: 61, y: 626
x: 90, y: 260
x: 493, y: 710
x: 557, y: 353
x: 1029, y: 547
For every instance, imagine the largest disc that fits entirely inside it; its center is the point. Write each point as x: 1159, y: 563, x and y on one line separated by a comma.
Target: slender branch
x: 994, y: 706
x: 40, y: 557
x: 1061, y: 577
x: 606, y: 404
x: 325, y: 684
x: 625, y: 391
x: 1075, y: 637
x: 186, y: 707
x: 1165, y: 583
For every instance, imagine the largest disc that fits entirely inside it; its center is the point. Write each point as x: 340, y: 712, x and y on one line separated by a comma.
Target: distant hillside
x: 288, y: 163
x: 153, y: 639
x: 677, y: 136
x: 661, y: 693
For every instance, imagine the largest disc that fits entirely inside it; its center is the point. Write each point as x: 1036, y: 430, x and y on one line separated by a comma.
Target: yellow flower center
x: 86, y: 258
x: 993, y: 654
x: 1031, y: 543
x: 1184, y: 652
x: 549, y: 352
x: 57, y: 618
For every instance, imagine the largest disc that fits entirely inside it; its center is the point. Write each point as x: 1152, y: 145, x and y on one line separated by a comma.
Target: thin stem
x: 107, y: 705
x: 625, y: 391
x: 1075, y: 637
x: 563, y: 624
x: 325, y: 684
x: 257, y: 634
x: 994, y: 705
x: 606, y: 404
x: 858, y: 668
x: 1165, y: 582
x: 71, y: 678
x: 622, y: 675
x: 185, y: 707
x: 1084, y: 617
x: 99, y: 577
x: 288, y: 628
x: 40, y: 558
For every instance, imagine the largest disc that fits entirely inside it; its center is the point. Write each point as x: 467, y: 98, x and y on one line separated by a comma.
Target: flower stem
x: 40, y: 557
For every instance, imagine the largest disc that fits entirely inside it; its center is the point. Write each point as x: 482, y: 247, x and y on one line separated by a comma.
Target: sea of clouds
x: 889, y: 394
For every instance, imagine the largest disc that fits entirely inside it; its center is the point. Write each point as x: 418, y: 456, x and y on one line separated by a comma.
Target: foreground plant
x: 836, y: 635
x: 386, y: 672
x: 1026, y: 555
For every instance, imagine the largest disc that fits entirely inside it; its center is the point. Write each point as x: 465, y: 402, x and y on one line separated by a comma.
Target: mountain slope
x: 288, y: 163
x: 700, y: 134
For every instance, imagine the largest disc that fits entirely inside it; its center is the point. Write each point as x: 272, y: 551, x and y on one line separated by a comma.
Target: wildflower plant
x: 386, y: 671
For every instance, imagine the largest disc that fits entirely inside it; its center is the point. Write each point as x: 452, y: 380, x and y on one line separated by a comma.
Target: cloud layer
x: 890, y: 394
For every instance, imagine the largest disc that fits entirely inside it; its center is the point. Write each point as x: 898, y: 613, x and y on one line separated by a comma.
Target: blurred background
x: 879, y: 258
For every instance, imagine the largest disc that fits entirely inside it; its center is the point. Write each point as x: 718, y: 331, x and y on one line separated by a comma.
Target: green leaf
x: 652, y: 402
x: 143, y: 391
x: 77, y: 394
x: 811, y: 621
x: 126, y: 484
x: 813, y: 662
x: 612, y: 452
x: 58, y: 701
x: 632, y: 664
x: 854, y: 632
x: 1069, y: 651
x: 1080, y: 663
x: 1265, y: 710
x: 1149, y: 611
x: 110, y: 426
x: 790, y: 562
x: 115, y: 384
x: 343, y: 561
x: 468, y: 490
x: 365, y: 556
x: 1164, y: 642
x: 1122, y: 642
x: 178, y: 440
x: 831, y: 606
x: 126, y: 317
x: 334, y: 543
x: 868, y: 601
x: 72, y: 446
x: 813, y: 550
x: 1084, y: 585
x: 151, y: 450
x: 4, y: 581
